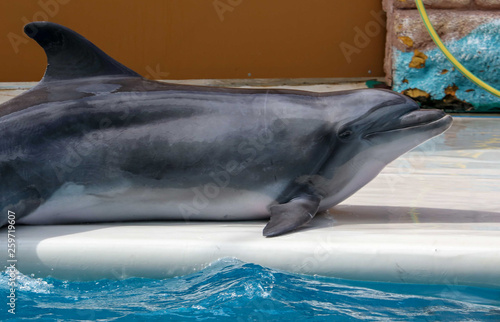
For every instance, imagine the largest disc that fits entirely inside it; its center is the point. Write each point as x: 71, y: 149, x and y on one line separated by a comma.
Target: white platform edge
x: 404, y: 253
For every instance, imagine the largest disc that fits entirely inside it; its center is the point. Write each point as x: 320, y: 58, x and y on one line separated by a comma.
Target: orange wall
x: 182, y: 39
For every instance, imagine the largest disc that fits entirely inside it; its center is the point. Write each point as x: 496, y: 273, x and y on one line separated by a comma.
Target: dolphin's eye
x: 345, y: 134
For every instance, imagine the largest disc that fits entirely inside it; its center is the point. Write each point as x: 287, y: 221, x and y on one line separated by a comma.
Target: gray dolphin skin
x: 96, y: 142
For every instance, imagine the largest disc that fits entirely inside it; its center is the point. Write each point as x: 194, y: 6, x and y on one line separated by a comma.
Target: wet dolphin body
x: 96, y: 142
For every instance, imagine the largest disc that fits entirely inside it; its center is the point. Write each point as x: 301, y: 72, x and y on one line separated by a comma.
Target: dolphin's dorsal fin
x: 70, y: 55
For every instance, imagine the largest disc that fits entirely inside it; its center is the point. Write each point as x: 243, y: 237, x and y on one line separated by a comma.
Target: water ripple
x: 230, y: 290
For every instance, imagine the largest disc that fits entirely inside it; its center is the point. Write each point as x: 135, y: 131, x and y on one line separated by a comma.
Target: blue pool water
x: 230, y: 290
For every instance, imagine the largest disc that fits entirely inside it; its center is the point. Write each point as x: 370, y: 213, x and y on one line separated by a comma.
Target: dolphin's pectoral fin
x: 70, y: 55
x: 291, y: 215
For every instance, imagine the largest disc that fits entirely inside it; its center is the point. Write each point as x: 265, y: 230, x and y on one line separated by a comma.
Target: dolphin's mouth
x: 416, y: 120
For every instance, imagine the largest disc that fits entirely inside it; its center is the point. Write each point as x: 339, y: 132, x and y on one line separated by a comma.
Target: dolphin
x: 94, y: 141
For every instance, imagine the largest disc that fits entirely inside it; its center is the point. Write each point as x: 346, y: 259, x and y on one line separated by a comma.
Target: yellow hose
x: 448, y: 55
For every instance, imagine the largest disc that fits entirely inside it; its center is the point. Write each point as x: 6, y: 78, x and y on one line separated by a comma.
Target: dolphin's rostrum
x: 96, y: 142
